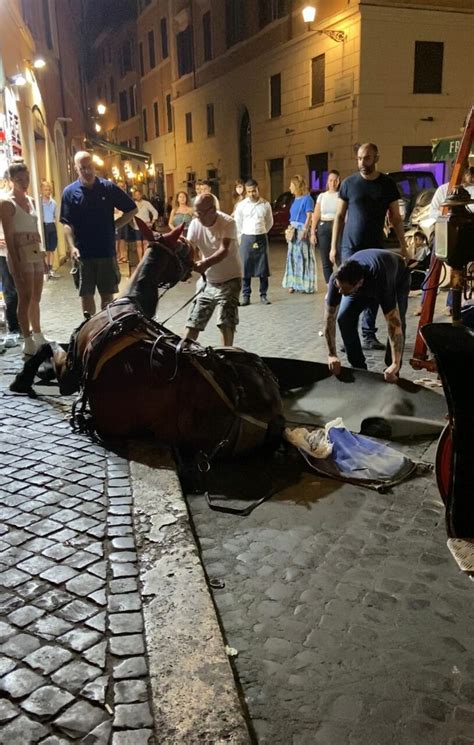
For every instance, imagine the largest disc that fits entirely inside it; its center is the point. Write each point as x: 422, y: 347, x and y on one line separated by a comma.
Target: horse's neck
x: 152, y: 271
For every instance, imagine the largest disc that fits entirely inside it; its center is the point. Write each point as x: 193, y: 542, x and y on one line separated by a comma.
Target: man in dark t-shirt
x: 87, y: 213
x: 371, y: 275
x: 364, y: 200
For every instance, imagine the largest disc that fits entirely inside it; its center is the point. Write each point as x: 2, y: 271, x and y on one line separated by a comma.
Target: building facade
x: 239, y: 88
x: 41, y: 108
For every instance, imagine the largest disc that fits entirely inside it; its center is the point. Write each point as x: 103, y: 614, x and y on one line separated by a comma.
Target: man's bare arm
x: 216, y: 257
x: 330, y: 316
x: 397, y: 341
x: 337, y: 228
x: 125, y: 218
x: 71, y: 241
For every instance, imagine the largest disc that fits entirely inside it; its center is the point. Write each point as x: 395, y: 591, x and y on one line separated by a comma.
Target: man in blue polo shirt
x: 87, y: 212
x: 371, y: 275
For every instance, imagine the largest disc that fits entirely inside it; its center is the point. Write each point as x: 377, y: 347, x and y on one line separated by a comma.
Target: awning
x: 446, y: 148
x: 113, y: 147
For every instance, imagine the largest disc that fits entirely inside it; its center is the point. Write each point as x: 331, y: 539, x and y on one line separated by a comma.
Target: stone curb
x: 194, y: 696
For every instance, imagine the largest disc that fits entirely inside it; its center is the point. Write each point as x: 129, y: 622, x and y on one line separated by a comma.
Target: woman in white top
x: 24, y: 255
x: 323, y: 221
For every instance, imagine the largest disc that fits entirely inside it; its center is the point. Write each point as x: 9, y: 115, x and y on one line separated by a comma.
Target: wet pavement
x: 351, y: 621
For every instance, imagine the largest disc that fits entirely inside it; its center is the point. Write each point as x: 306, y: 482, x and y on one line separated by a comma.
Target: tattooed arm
x: 395, y: 335
x: 330, y: 315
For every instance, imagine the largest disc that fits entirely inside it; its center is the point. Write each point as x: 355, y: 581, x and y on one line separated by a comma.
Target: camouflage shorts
x: 223, y: 296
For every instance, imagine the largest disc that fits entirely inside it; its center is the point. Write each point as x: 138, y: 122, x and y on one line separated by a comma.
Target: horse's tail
x: 23, y: 382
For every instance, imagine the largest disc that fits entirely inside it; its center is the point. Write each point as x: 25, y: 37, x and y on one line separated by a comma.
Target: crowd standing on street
x: 182, y: 212
x: 254, y: 218
x: 300, y: 270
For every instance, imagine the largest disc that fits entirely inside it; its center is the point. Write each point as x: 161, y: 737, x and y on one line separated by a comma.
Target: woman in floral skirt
x: 300, y: 270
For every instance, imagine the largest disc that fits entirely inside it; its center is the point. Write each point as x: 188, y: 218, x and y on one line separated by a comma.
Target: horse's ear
x: 171, y: 239
x: 147, y: 233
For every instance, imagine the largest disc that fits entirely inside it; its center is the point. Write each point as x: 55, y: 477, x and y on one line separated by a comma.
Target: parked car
x: 281, y: 212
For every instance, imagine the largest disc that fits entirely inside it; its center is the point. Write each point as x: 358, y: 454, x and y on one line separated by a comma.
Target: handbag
x: 290, y: 233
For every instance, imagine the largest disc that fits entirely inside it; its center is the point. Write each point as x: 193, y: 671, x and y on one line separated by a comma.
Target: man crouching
x: 372, y: 274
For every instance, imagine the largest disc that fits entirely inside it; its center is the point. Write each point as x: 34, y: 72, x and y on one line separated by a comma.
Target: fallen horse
x: 137, y: 377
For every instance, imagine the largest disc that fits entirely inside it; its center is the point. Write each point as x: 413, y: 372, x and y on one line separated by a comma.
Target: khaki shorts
x: 103, y: 274
x: 223, y: 296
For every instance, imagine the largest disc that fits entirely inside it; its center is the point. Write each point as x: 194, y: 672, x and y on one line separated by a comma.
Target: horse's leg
x: 24, y: 380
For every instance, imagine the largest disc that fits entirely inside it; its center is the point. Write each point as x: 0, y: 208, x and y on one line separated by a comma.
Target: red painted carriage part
x: 443, y: 465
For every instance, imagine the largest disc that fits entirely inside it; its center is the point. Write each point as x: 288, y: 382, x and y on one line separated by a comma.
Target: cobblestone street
x: 351, y: 621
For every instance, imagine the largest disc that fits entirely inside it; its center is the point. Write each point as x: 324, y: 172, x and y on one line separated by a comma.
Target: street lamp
x: 309, y: 14
x: 101, y: 108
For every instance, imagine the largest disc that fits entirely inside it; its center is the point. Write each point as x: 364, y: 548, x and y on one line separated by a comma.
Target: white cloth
x: 253, y: 218
x: 208, y: 240
x: 328, y: 204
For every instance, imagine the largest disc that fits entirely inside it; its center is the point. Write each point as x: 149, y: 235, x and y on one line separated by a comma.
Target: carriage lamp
x: 309, y: 15
x: 454, y: 231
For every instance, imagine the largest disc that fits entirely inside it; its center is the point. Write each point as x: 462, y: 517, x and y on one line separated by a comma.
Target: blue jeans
x: 246, y: 289
x: 10, y: 297
x: 348, y: 319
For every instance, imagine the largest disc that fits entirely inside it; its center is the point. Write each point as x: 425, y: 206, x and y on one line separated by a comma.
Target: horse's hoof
x: 18, y: 387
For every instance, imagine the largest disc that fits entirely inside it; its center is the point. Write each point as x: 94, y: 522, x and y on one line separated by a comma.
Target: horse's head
x: 176, y: 246
x: 48, y: 363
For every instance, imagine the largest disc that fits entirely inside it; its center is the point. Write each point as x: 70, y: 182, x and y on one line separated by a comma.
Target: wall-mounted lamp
x: 427, y: 119
x: 101, y: 108
x: 97, y: 127
x: 330, y: 127
x: 39, y: 63
x: 289, y: 131
x: 309, y: 14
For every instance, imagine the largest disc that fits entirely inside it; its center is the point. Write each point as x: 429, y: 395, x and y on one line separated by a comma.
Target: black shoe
x: 245, y: 300
x: 372, y: 343
x: 264, y: 300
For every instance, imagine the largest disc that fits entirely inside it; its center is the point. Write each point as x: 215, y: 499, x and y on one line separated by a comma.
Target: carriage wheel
x: 443, y: 462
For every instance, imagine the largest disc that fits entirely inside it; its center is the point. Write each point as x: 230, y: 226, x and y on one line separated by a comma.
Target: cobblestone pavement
x: 351, y: 622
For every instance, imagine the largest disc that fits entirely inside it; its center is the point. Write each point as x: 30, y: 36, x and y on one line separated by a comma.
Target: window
x: 210, y: 120
x: 428, y: 73
x: 123, y: 105
x: 234, y: 25
x: 112, y: 89
x: 318, y: 170
x: 47, y: 24
x: 184, y: 48
x: 151, y: 49
x: 156, y: 119
x: 145, y: 125
x: 164, y: 38
x: 207, y: 36
x: 141, y: 60
x: 275, y: 95
x: 169, y: 113
x: 132, y: 95
x: 270, y: 10
x: 317, y: 80
x: 417, y: 154
x: 213, y: 177
x: 189, y: 127
x: 126, y: 58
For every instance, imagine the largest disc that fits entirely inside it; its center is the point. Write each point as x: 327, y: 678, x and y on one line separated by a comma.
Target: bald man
x: 87, y: 213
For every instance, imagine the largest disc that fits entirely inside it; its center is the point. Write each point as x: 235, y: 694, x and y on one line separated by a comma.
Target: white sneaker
x: 39, y: 339
x: 29, y: 347
x: 11, y: 339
